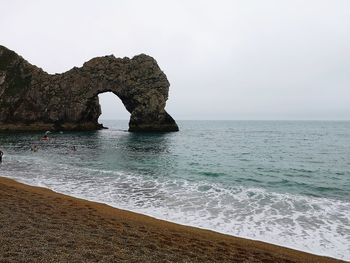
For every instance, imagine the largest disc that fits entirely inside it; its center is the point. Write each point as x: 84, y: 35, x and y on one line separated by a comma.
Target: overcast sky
x: 246, y: 59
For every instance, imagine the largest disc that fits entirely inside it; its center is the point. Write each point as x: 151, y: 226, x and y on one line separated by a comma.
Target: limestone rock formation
x: 31, y: 99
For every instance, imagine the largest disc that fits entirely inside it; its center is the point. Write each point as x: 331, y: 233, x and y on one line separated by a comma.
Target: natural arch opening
x: 113, y: 111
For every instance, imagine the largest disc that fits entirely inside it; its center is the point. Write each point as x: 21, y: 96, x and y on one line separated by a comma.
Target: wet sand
x: 39, y: 225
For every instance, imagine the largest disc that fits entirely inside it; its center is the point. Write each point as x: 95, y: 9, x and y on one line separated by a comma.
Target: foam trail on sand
x: 317, y: 225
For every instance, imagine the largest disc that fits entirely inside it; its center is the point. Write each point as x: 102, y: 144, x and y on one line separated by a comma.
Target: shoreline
x: 41, y: 224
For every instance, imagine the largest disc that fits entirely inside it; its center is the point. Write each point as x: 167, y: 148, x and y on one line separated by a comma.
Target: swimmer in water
x: 1, y: 154
x: 34, y: 148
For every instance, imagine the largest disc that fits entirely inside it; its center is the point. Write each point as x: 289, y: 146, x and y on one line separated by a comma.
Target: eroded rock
x: 31, y: 99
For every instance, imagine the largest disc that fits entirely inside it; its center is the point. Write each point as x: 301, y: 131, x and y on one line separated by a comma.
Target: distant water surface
x: 283, y: 182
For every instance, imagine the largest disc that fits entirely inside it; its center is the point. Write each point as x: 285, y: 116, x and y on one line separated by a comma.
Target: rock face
x: 31, y: 99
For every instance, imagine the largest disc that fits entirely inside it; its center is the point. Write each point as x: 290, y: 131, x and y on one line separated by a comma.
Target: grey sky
x: 247, y: 59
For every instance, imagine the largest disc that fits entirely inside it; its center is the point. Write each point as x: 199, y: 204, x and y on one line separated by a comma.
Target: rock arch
x: 31, y: 99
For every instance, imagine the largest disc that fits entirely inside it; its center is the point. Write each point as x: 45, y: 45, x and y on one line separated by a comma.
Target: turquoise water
x: 284, y: 182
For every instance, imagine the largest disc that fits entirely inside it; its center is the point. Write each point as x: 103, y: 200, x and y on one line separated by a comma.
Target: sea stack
x: 32, y: 99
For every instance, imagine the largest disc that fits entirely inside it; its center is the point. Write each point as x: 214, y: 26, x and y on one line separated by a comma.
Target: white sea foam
x: 316, y: 225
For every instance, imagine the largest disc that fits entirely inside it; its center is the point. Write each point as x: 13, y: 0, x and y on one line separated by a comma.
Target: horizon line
x: 343, y: 120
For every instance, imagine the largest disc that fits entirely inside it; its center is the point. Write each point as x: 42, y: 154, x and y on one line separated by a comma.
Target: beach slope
x: 39, y: 225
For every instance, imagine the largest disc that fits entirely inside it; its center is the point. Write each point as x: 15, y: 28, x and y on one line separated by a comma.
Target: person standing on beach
x: 1, y: 154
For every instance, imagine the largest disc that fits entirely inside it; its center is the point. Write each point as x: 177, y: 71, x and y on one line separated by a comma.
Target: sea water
x: 283, y: 182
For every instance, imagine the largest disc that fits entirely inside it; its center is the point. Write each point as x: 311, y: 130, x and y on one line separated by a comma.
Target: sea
x: 282, y: 182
